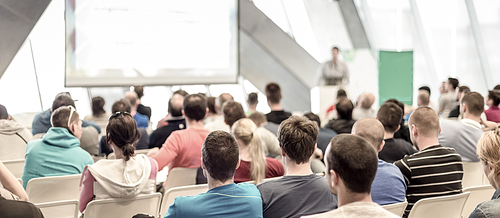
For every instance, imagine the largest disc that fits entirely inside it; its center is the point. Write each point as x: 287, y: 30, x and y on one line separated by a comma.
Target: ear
x: 464, y: 108
x: 238, y: 165
x: 334, y: 179
x: 203, y: 164
x: 282, y: 152
x: 439, y: 129
x: 399, y: 127
x: 183, y: 114
x: 415, y: 130
x: 381, y: 146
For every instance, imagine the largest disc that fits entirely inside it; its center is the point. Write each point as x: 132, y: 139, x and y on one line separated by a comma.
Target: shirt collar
x: 471, y: 123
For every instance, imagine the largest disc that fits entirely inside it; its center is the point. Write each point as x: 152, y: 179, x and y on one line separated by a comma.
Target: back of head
x: 139, y: 90
x: 493, y: 95
x: 463, y: 89
x: 367, y: 100
x: 253, y: 98
x: 354, y: 160
x: 273, y: 93
x: 60, y: 116
x: 232, y: 112
x: 131, y: 97
x: 181, y: 92
x: 3, y: 113
x: 245, y: 131
x: 175, y: 105
x: 121, y: 105
x: 98, y: 106
x: 313, y: 117
x: 195, y: 107
x: 223, y: 98
x: 390, y: 116
x: 423, y: 99
x: 453, y: 82
x: 426, y: 120
x: 497, y: 87
x: 371, y: 130
x: 62, y: 100
x: 258, y: 118
x: 220, y: 155
x: 395, y: 101
x: 123, y: 133
x: 474, y: 102
x: 344, y: 108
x: 341, y: 94
x: 488, y: 151
x: 211, y: 105
x: 297, y: 137
x: 425, y: 88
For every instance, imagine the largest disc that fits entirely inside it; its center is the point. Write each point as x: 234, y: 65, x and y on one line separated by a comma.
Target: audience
x: 344, y: 122
x: 273, y: 94
x: 261, y: 121
x: 461, y: 91
x: 215, y: 119
x: 224, y: 198
x: 98, y: 113
x: 364, y: 106
x: 142, y: 120
x: 58, y: 152
x: 13, y: 137
x: 252, y: 101
x: 389, y: 186
x: 390, y: 114
x: 403, y: 132
x: 127, y: 176
x: 254, y: 165
x: 325, y: 134
x: 448, y: 101
x: 174, y: 122
x: 351, y: 167
x: 488, y: 151
x: 164, y: 121
x: 330, y: 111
x: 299, y: 192
x: 434, y: 170
x: 493, y: 101
x: 144, y: 110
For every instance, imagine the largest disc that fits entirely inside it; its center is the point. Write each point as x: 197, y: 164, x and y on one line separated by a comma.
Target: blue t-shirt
x: 389, y: 186
x: 142, y: 120
x: 233, y: 200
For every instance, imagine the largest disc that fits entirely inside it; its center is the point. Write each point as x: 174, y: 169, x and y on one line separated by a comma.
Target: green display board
x: 395, y: 76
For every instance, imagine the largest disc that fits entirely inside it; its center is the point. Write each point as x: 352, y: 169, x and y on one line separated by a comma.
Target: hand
x: 153, y: 152
x: 488, y: 125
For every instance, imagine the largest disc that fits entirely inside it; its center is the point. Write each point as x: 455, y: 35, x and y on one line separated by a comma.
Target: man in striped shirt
x: 434, y: 170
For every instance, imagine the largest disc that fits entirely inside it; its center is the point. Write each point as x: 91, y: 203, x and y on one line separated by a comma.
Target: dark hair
x: 175, y: 110
x: 211, y: 105
x: 335, y: 47
x: 453, y: 82
x: 497, y: 87
x: 3, y: 112
x: 355, y: 161
x: 122, y: 105
x: 220, y: 155
x: 395, y: 101
x: 123, y: 133
x: 62, y: 100
x: 195, y: 107
x: 341, y: 94
x: 258, y: 118
x: 253, y: 98
x: 313, y: 117
x: 181, y: 92
x: 60, y: 116
x: 139, y: 90
x: 344, y: 108
x: 426, y: 88
x: 98, y: 106
x: 232, y: 111
x: 273, y: 93
x: 463, y: 89
x: 474, y: 102
x: 390, y: 115
x: 297, y: 136
x: 493, y: 95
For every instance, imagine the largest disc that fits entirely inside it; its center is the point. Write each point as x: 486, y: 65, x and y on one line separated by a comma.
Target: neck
x: 191, y: 123
x: 388, y: 135
x: 244, y: 152
x: 213, y: 183
x: 252, y: 107
x: 118, y: 152
x: 275, y: 107
x: 293, y: 168
x: 472, y: 117
x: 347, y: 197
x: 425, y: 142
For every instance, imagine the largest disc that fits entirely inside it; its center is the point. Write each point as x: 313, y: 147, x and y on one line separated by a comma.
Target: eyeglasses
x: 118, y: 113
x: 70, y: 114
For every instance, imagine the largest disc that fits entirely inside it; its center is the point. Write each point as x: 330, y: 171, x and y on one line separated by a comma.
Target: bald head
x: 223, y: 98
x: 131, y: 97
x: 371, y: 130
x: 175, y: 105
x: 366, y: 100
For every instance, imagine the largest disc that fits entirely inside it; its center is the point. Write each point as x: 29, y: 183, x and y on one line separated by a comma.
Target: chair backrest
x: 478, y: 194
x: 396, y: 208
x: 473, y: 174
x: 59, y: 209
x: 181, y: 177
x: 53, y: 188
x: 171, y: 194
x: 124, y: 207
x: 16, y: 167
x: 449, y: 206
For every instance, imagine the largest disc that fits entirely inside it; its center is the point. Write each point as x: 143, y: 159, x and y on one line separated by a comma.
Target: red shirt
x: 274, y: 168
x: 493, y: 114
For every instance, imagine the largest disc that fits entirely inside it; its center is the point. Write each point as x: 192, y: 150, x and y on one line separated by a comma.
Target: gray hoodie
x: 13, y: 140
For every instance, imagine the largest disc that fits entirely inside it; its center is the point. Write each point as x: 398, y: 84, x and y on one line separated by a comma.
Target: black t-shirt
x: 16, y: 209
x: 277, y: 116
x: 144, y: 110
x: 340, y: 125
x: 395, y: 149
x: 161, y: 134
x: 455, y: 112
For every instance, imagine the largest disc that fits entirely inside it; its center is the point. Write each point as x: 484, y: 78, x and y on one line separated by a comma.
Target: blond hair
x: 488, y: 150
x: 244, y: 130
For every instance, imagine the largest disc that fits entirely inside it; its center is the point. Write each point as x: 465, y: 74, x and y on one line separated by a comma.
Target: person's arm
x: 168, y: 151
x: 10, y: 183
x: 488, y: 125
x: 87, y: 190
x: 405, y: 169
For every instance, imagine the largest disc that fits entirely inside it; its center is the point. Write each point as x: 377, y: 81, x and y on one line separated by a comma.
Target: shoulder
x: 487, y: 209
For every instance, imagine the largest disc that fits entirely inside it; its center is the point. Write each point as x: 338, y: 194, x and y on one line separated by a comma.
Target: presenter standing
x: 334, y: 72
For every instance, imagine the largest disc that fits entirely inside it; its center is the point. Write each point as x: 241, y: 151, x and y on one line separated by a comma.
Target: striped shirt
x: 432, y: 172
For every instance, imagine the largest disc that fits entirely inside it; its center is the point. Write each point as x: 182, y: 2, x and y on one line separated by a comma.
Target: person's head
x: 194, y: 107
x: 220, y: 155
x: 211, y: 105
x: 423, y: 123
x: 244, y: 130
x: 497, y: 87
x: 472, y: 105
x: 223, y: 98
x: 175, y: 105
x: 371, y: 130
x: 313, y: 117
x: 452, y: 84
x: 488, y: 151
x: 253, y: 99
x: 139, y: 90
x: 297, y: 138
x: 258, y: 118
x: 460, y: 91
x: 390, y: 116
x: 122, y: 105
x: 98, y: 106
x: 3, y: 113
x: 335, y: 52
x: 492, y: 100
x: 423, y: 99
x: 67, y: 117
x: 341, y: 94
x: 273, y: 93
x: 365, y: 100
x: 351, y: 164
x: 122, y: 133
x: 232, y: 112
x: 442, y: 88
x: 425, y: 88
x: 181, y: 92
x: 132, y: 98
x: 344, y: 109
x: 62, y: 99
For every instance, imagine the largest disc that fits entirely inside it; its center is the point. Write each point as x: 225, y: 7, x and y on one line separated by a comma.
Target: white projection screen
x: 151, y: 42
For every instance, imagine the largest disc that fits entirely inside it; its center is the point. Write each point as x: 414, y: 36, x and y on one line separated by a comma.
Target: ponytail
x: 258, y: 163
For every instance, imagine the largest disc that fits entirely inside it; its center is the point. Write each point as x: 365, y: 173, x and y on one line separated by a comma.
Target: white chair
x: 180, y: 176
x: 59, y: 209
x: 396, y: 208
x: 478, y: 194
x: 171, y: 194
x: 16, y: 167
x: 449, y: 206
x: 53, y: 188
x: 473, y: 174
x: 123, y: 207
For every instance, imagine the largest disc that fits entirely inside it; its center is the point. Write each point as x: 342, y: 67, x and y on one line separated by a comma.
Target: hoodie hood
x: 10, y: 127
x: 60, y: 137
x: 120, y: 178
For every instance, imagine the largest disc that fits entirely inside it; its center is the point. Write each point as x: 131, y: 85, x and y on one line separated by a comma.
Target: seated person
x: 127, y: 176
x: 145, y: 110
x: 142, y: 120
x: 224, y: 198
x: 344, y: 122
x: 493, y: 101
x: 174, y: 122
x: 99, y: 115
x: 253, y: 163
x: 261, y: 121
x: 13, y: 137
x: 58, y: 152
x: 325, y: 134
x: 277, y: 114
x: 403, y: 132
x: 487, y: 150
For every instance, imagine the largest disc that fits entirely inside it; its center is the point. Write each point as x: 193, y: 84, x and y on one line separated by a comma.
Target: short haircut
x: 474, y: 102
x: 223, y: 98
x: 313, y: 117
x: 273, y: 93
x: 139, y: 90
x: 453, y: 81
x: 426, y: 120
x: 181, y: 92
x: 258, y: 118
x: 497, y: 87
x: 98, y: 106
x: 423, y: 97
x: 463, y: 89
x: 371, y: 130
x: 253, y: 98
x: 62, y: 100
x: 195, y: 107
x: 395, y: 101
x: 341, y: 94
x: 390, y: 116
x: 60, y: 116
x: 335, y: 47
x: 232, y: 111
x: 122, y: 105
x: 220, y: 155
x: 493, y: 95
x: 123, y: 133
x: 211, y: 105
x: 426, y: 88
x: 344, y: 108
x: 355, y: 161
x: 3, y: 113
x: 131, y: 97
x: 175, y: 105
x: 297, y: 137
